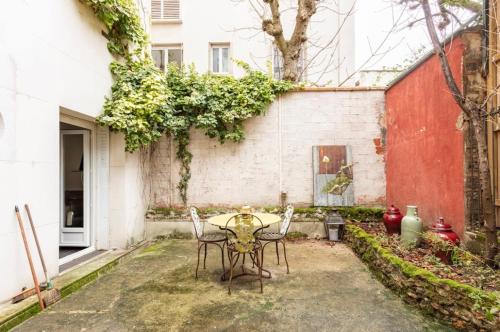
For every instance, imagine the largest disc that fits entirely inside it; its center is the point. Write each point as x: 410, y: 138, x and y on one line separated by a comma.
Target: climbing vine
x: 146, y: 103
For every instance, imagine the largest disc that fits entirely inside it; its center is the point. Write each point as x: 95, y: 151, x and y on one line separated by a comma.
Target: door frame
x: 91, y: 127
x: 86, y: 229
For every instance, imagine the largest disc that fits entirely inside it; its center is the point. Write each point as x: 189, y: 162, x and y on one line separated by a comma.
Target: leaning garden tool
x: 28, y: 254
x: 52, y: 294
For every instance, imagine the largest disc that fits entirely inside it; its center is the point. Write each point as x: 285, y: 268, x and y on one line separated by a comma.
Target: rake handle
x: 28, y: 254
x: 36, y: 241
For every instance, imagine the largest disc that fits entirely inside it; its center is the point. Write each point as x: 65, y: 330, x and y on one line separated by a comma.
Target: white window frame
x: 165, y: 49
x: 220, y: 46
x: 163, y: 18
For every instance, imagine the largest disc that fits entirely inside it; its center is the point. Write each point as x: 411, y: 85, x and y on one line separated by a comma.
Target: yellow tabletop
x: 266, y: 218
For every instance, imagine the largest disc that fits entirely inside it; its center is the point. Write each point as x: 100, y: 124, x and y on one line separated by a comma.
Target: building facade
x: 211, y: 34
x: 53, y: 156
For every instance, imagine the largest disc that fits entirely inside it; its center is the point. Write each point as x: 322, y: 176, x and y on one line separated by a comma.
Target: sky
x: 377, y: 19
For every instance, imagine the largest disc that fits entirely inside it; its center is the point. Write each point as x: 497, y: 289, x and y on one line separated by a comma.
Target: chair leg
x: 262, y: 255
x: 284, y: 252
x: 259, y: 265
x: 198, y: 261
x: 205, y: 258
x: 223, y: 267
x: 277, y: 253
x: 230, y: 272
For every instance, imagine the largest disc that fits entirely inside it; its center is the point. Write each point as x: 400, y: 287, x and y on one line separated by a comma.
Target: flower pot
x: 444, y: 256
x: 411, y: 227
x: 445, y: 232
x: 392, y: 220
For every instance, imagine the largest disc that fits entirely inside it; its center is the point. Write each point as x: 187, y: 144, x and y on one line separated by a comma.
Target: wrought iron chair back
x: 286, y: 220
x: 244, y: 236
x: 198, y: 228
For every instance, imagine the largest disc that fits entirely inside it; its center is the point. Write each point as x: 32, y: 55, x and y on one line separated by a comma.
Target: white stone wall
x: 276, y: 155
x: 236, y: 23
x: 53, y: 57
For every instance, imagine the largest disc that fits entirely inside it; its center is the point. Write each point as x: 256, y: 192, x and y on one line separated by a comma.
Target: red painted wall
x: 424, y: 149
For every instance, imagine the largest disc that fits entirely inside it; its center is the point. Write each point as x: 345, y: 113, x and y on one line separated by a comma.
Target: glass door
x: 75, y: 188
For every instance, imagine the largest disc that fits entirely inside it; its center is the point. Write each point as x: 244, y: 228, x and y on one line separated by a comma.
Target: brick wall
x: 276, y: 155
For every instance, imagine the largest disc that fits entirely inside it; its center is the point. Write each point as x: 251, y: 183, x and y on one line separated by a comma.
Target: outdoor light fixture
x: 334, y: 227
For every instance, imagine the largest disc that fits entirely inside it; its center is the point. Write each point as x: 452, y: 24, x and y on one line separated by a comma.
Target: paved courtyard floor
x: 328, y: 289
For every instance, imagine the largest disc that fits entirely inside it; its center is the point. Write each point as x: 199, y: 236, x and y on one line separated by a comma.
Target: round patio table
x: 266, y: 218
x: 221, y: 221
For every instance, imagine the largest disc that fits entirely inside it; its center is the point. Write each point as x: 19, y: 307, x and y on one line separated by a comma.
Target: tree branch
x: 443, y: 60
x: 273, y: 26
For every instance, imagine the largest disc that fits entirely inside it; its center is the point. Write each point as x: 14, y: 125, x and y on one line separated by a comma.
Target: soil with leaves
x: 464, y: 266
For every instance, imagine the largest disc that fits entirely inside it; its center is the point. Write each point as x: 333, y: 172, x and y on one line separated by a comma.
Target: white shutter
x: 171, y: 9
x: 156, y: 9
x: 165, y: 9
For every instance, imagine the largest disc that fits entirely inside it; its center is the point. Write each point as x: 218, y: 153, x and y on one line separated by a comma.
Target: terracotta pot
x: 445, y: 231
x: 392, y: 220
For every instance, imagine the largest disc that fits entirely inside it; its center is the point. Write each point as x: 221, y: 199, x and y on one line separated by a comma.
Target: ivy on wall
x: 146, y: 103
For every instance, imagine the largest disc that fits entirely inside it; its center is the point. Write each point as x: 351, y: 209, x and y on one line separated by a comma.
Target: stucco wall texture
x: 276, y: 155
x: 424, y: 148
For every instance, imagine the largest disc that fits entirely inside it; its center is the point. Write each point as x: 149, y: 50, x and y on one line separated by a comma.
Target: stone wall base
x: 463, y: 306
x: 156, y: 229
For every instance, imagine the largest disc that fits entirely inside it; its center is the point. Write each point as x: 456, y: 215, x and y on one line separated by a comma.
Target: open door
x: 75, y: 188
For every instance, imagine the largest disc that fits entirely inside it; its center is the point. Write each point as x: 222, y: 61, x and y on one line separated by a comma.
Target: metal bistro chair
x: 243, y: 241
x: 270, y: 237
x: 205, y: 239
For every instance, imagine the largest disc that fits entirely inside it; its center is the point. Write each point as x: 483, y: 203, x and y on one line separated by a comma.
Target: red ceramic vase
x: 392, y: 220
x: 445, y: 231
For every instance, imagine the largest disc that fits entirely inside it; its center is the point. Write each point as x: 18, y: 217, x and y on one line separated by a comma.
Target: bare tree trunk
x: 485, y: 181
x: 290, y: 67
x: 290, y: 49
x: 475, y: 113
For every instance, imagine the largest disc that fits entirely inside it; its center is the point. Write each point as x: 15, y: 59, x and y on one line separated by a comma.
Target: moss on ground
x: 296, y: 236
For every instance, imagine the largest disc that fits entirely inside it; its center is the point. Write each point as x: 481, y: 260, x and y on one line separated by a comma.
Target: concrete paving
x: 328, y: 289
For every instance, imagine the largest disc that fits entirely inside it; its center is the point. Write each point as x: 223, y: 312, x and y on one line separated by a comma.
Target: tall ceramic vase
x: 411, y: 227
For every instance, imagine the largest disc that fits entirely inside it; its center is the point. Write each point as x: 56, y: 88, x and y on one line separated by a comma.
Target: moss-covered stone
x: 462, y: 305
x: 301, y: 214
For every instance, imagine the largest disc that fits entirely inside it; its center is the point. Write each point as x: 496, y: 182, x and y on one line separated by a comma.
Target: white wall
x: 276, y: 155
x: 52, y: 56
x: 235, y: 22
x: 127, y: 199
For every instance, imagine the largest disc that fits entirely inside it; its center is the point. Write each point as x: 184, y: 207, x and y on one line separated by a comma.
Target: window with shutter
x: 165, y: 9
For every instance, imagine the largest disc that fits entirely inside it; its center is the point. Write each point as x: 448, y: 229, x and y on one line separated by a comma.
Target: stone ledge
x: 165, y: 228
x: 461, y: 305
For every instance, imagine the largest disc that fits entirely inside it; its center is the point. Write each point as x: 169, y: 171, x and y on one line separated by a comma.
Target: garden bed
x: 450, y: 293
x: 465, y: 267
x: 301, y: 214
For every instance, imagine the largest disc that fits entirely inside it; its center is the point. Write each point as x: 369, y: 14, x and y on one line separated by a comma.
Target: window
x: 220, y: 58
x: 165, y: 9
x: 167, y: 55
x: 278, y: 70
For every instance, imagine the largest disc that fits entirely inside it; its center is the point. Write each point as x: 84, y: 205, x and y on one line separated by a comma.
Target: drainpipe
x: 280, y: 148
x: 485, y: 39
